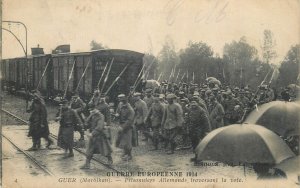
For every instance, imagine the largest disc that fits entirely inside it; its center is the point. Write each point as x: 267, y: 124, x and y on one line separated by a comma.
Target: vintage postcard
x: 150, y: 93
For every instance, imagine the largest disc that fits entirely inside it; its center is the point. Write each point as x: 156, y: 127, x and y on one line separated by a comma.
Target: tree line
x: 240, y: 65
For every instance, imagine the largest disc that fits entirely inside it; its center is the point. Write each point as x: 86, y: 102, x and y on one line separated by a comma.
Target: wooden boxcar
x: 58, y: 72
x: 121, y: 58
x: 62, y: 67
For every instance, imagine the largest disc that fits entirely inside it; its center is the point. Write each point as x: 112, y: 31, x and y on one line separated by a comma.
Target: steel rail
x: 28, y: 156
x: 55, y: 137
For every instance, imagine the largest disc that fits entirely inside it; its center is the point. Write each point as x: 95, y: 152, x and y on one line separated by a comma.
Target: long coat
x: 38, y: 124
x: 216, y: 116
x: 126, y: 118
x: 99, y: 141
x: 141, y: 111
x: 199, y: 123
x: 156, y: 114
x: 173, y: 116
x: 68, y: 122
x: 104, y: 109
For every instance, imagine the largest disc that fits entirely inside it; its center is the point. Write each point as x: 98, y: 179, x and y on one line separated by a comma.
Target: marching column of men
x: 159, y: 115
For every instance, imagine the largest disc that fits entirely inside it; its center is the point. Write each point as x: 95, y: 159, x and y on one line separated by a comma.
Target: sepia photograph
x: 150, y: 93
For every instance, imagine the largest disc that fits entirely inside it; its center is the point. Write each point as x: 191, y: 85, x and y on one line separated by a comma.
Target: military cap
x: 181, y: 93
x: 161, y: 96
x: 263, y: 87
x: 202, y: 90
x: 242, y: 91
x: 137, y: 94
x: 236, y: 88
x: 215, y: 89
x: 193, y: 102
x: 64, y: 101
x: 37, y: 93
x: 184, y: 100
x: 227, y: 92
x: 196, y: 93
x: 205, y: 86
x: 148, y: 90
x: 171, y: 96
x: 121, y: 96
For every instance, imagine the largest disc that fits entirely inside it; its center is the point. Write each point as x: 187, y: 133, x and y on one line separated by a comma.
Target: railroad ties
x: 50, y: 160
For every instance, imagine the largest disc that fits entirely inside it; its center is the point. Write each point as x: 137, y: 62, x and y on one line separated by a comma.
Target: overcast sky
x: 143, y: 25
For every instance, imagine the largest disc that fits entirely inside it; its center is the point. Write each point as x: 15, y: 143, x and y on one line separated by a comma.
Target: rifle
x: 83, y: 74
x: 66, y: 89
x: 182, y: 77
x: 106, y: 77
x: 160, y: 75
x: 70, y: 76
x: 177, y: 75
x: 193, y: 77
x: 116, y: 79
x: 99, y: 81
x: 139, y: 80
x: 138, y: 77
x: 251, y: 101
x: 37, y: 87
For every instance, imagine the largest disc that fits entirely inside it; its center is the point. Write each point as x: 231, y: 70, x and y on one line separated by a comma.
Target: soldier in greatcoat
x: 172, y: 121
x: 103, y: 107
x: 78, y: 106
x: 68, y: 120
x: 141, y: 112
x: 95, y: 99
x: 155, y: 116
x: 216, y: 114
x: 125, y: 113
x: 99, y: 140
x: 148, y: 98
x: 199, y: 124
x: 229, y: 103
x: 38, y: 124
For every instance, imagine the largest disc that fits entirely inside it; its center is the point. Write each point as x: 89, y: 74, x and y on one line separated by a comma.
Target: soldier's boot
x: 33, y: 148
x: 109, y: 160
x: 155, y: 142
x: 71, y: 154
x: 34, y: 145
x: 81, y: 135
x: 87, y: 164
x: 128, y: 157
x: 38, y: 143
x: 193, y: 159
x: 49, y: 142
x: 173, y: 146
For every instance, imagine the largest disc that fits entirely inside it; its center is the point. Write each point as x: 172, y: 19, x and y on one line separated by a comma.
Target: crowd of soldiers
x: 171, y: 116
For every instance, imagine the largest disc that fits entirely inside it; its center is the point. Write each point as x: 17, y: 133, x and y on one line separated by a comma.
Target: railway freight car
x: 54, y: 82
x: 94, y: 63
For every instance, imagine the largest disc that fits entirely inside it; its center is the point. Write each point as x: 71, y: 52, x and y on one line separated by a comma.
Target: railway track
x: 42, y: 167
x: 54, y: 137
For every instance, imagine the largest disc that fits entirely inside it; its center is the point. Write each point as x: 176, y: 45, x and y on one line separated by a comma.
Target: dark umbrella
x: 278, y: 116
x: 243, y: 143
x: 290, y: 166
